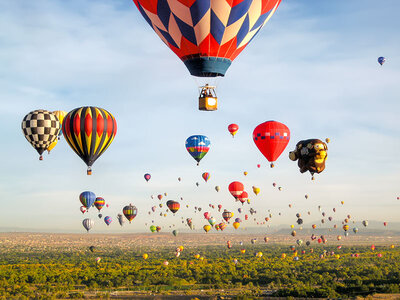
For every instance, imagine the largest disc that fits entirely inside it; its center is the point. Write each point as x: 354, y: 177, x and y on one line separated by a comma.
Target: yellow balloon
x: 283, y: 255
x: 197, y: 256
x: 145, y: 256
x: 60, y: 114
x: 327, y: 140
x: 236, y: 225
x: 291, y: 226
x: 245, y: 173
x: 256, y: 190
x: 337, y: 256
x: 52, y: 145
x: 180, y: 248
x: 243, y: 251
x: 207, y: 228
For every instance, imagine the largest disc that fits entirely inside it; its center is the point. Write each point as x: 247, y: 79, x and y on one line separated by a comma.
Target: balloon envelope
x: 271, y: 138
x: 89, y: 131
x: 197, y: 146
x: 207, y: 35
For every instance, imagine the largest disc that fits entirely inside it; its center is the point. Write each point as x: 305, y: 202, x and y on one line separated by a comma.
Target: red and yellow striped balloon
x: 89, y: 131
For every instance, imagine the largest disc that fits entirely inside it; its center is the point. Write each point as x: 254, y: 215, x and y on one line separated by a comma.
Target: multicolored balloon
x: 198, y: 146
x: 271, y: 138
x: 207, y: 35
x: 173, y: 206
x: 206, y: 176
x: 99, y: 203
x: 87, y: 199
x: 89, y: 131
x: 108, y: 220
x: 130, y: 212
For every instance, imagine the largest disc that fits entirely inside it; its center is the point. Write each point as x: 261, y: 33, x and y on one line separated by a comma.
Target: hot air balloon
x: 83, y: 209
x: 212, y: 221
x: 87, y: 199
x: 355, y: 229
x: 227, y: 215
x: 99, y: 203
x: 147, y: 177
x: 236, y: 225
x: 88, y: 224
x: 222, y: 226
x: 381, y: 60
x: 52, y: 145
x: 158, y: 228
x: 130, y: 212
x: 60, y: 114
x: 365, y: 223
x: 197, y: 146
x: 311, y: 155
x: 206, y: 35
x: 236, y: 188
x: 40, y: 128
x: 89, y: 131
x: 256, y: 190
x: 175, y: 232
x: 271, y: 138
x: 108, y: 220
x: 145, y: 256
x: 206, y: 176
x: 153, y: 228
x: 173, y: 206
x: 233, y: 128
x: 217, y: 188
x: 98, y: 259
x: 207, y: 228
x: 243, y: 197
x: 120, y: 219
x: 345, y: 227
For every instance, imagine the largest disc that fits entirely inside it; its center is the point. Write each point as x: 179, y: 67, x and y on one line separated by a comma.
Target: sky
x: 313, y: 67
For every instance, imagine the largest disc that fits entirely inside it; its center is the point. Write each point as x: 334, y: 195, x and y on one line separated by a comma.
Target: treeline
x: 71, y: 274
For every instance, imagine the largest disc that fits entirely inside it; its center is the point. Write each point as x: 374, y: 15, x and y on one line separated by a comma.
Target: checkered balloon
x: 40, y: 128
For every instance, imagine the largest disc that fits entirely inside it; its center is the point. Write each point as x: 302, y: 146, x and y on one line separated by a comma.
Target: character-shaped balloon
x: 311, y: 155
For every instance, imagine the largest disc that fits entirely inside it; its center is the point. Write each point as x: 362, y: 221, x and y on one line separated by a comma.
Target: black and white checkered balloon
x: 40, y: 128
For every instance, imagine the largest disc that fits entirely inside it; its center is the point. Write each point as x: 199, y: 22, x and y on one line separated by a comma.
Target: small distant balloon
x: 147, y: 176
x: 233, y: 128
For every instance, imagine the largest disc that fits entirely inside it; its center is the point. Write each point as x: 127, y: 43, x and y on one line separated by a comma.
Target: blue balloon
x: 108, y: 220
x: 197, y: 146
x: 381, y: 60
x: 87, y: 199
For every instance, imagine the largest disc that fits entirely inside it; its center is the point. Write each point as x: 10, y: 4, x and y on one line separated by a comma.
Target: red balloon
x: 207, y: 215
x: 236, y: 188
x: 243, y: 197
x: 271, y: 138
x: 233, y: 128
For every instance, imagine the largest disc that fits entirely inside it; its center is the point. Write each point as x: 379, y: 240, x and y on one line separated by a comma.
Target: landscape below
x: 44, y: 265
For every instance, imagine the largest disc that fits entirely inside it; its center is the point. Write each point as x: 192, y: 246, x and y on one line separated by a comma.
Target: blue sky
x: 313, y: 67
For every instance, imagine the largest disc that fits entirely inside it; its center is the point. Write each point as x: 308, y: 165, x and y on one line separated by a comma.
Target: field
x: 62, y: 266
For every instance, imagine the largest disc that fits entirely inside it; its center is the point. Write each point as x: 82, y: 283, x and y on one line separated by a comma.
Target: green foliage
x: 73, y: 274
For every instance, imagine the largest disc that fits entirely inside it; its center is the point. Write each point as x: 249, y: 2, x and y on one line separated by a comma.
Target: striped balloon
x: 88, y: 224
x: 173, y: 206
x: 130, y: 212
x: 87, y: 199
x: 89, y: 131
x: 108, y: 220
x: 99, y: 203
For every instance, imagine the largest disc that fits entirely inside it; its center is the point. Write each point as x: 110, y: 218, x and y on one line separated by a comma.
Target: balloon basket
x: 208, y: 103
x: 89, y: 172
x: 40, y: 157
